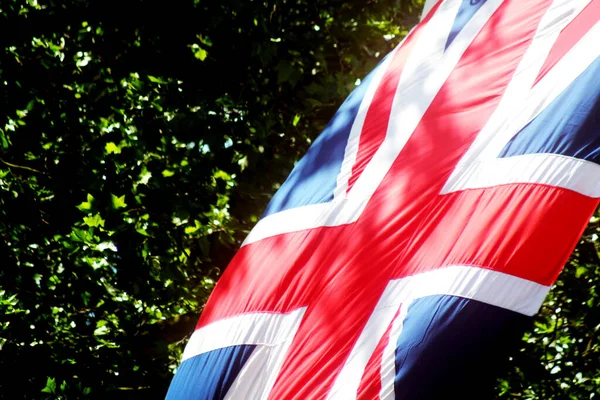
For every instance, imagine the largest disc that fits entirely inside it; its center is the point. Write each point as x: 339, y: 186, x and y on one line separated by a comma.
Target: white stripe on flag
x: 272, y: 334
x: 425, y: 72
x: 521, y: 104
x: 354, y: 139
x: 484, y: 285
x: 253, y: 329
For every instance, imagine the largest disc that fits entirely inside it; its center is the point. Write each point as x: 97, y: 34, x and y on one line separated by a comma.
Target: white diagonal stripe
x: 424, y: 74
x: 521, y: 104
x: 470, y: 282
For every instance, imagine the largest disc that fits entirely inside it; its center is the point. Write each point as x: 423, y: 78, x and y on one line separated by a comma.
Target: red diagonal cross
x: 339, y: 273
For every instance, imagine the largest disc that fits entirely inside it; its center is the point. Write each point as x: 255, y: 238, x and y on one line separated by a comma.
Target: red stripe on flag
x: 378, y: 115
x: 370, y: 252
x: 487, y: 227
x: 339, y: 273
x: 409, y: 194
x: 370, y: 385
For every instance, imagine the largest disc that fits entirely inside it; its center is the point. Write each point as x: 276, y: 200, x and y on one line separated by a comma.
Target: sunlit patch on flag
x: 413, y: 240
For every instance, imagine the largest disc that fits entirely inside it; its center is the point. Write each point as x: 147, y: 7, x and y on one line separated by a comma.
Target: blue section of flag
x: 570, y: 125
x: 450, y: 341
x: 467, y: 9
x: 209, y: 376
x: 314, y: 178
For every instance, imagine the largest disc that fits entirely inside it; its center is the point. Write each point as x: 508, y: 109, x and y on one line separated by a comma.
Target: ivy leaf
x: 193, y: 229
x: 118, y: 202
x: 86, y: 206
x: 83, y: 236
x: 50, y: 386
x: 94, y: 221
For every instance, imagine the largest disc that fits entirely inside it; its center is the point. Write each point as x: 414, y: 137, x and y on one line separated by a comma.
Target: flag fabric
x: 426, y: 222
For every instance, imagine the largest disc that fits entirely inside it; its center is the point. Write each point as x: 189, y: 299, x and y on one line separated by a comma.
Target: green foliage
x: 139, y: 144
x: 137, y: 148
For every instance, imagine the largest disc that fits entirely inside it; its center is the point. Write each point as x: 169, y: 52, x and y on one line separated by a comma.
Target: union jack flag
x: 429, y: 218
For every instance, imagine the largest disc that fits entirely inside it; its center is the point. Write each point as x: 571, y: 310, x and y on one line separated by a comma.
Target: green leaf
x: 580, y: 272
x: 157, y: 106
x: 101, y: 330
x: 145, y: 176
x: 118, y: 202
x: 94, y: 221
x: 83, y: 236
x: 101, y: 323
x: 243, y: 163
x: 4, y: 139
x: 112, y: 148
x: 156, y: 79
x: 167, y: 173
x: 86, y: 206
x: 50, y: 386
x: 199, y: 52
x: 296, y: 120
x: 142, y: 231
x: 192, y: 229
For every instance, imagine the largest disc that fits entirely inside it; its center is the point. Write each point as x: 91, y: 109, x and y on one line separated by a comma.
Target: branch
x: 21, y: 167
